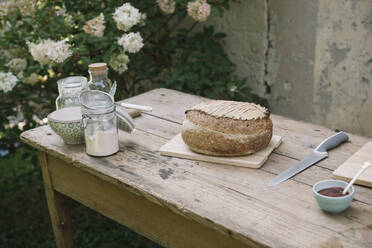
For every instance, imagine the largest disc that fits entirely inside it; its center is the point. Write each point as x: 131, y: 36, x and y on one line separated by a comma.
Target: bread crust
x: 228, y: 125
x: 211, y: 142
x: 221, y: 136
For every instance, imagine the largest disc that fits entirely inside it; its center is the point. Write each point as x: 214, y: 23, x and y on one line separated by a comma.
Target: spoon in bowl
x: 364, y: 166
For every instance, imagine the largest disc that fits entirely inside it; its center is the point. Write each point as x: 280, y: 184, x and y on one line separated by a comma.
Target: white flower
x: 26, y: 7
x: 199, y: 10
x: 19, y: 23
x: 49, y: 51
x: 67, y: 17
x: 7, y: 81
x: 119, y: 62
x: 233, y: 88
x: 17, y: 64
x: 32, y: 79
x: 16, y: 120
x: 167, y: 6
x: 131, y: 42
x: 6, y: 7
x: 143, y: 20
x: 126, y: 17
x: 20, y: 75
x: 95, y: 26
x: 5, y: 27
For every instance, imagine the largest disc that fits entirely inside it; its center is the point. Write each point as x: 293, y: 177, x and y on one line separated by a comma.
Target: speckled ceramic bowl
x: 67, y: 124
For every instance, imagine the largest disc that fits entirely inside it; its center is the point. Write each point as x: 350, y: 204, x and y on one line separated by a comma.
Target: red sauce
x: 333, y: 192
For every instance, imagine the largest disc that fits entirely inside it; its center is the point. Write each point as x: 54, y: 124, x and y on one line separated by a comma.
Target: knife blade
x: 319, y: 153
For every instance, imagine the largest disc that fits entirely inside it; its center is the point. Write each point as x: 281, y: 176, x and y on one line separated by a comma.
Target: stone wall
x: 311, y: 59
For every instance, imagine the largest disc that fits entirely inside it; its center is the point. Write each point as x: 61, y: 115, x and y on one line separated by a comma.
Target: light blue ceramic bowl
x: 333, y: 204
x: 67, y: 124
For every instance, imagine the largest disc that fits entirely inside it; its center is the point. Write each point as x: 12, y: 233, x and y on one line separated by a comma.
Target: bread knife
x: 318, y: 154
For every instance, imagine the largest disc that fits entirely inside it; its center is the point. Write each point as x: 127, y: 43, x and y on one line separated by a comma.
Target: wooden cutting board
x: 350, y: 167
x: 177, y: 148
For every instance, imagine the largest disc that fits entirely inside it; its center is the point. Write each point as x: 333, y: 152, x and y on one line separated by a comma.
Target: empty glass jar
x: 69, y: 90
x: 99, y: 121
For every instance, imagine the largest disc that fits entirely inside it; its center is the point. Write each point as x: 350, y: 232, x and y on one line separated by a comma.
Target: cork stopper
x: 232, y: 109
x: 98, y: 67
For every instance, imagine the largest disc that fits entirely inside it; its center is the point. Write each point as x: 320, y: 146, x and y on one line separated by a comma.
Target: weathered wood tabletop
x: 183, y: 203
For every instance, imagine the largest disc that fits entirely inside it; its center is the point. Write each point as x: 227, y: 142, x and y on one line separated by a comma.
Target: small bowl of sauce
x: 328, y: 194
x: 333, y: 192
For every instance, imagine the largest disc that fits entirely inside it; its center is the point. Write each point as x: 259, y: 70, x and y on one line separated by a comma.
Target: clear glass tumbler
x: 69, y: 90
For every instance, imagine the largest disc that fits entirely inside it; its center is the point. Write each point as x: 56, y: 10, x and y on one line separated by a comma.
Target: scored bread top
x: 232, y: 110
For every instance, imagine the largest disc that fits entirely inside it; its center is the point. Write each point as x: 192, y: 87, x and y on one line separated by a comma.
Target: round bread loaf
x: 227, y: 128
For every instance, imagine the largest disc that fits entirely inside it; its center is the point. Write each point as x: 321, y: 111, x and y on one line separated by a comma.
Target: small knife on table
x: 318, y: 154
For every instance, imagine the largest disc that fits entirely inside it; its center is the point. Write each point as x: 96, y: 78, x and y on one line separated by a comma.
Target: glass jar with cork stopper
x: 99, y: 79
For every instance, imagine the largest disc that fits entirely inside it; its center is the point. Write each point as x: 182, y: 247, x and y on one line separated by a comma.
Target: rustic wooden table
x: 183, y: 203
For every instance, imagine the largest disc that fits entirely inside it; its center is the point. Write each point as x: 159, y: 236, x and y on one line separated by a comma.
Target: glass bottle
x: 100, y: 123
x: 69, y: 90
x: 99, y: 79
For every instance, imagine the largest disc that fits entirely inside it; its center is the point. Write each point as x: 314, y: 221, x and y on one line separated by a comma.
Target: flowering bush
x: 146, y: 44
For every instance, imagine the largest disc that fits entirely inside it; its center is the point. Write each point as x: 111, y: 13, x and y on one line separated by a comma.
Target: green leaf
x: 204, y: 71
x: 220, y: 35
x: 217, y: 11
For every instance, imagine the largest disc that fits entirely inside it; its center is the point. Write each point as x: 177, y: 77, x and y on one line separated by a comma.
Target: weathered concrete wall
x: 311, y: 59
x: 342, y: 95
x: 290, y: 62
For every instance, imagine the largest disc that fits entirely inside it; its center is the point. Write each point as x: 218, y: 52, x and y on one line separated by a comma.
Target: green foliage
x: 174, y: 56
x: 201, y: 67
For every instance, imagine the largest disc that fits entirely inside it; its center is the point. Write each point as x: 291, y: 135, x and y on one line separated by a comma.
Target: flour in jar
x: 101, y: 142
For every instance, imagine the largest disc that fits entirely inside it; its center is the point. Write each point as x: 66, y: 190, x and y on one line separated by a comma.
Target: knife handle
x: 332, y: 142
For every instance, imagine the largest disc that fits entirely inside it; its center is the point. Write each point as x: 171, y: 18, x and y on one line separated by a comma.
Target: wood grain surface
x: 236, y: 202
x: 145, y: 217
x: 58, y: 207
x: 350, y: 167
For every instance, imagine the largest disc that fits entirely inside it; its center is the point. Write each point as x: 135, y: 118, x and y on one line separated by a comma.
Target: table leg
x: 59, y: 210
